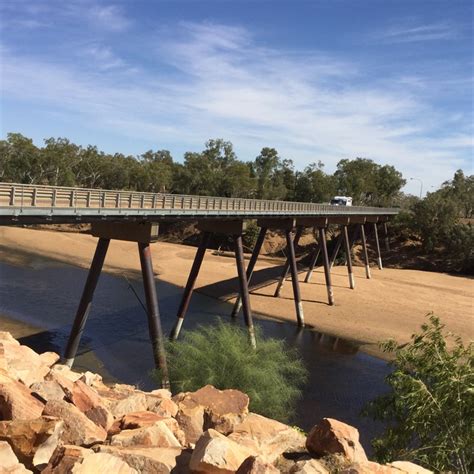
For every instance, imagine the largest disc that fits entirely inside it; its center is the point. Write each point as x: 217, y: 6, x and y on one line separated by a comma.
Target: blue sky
x: 318, y: 80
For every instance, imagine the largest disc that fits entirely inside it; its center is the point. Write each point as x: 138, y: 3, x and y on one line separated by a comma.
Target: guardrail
x: 24, y: 198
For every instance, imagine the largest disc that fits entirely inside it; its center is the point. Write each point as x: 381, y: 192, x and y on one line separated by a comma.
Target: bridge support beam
x: 312, y: 263
x: 253, y: 260
x: 364, y: 249
x: 377, y: 243
x: 387, y: 241
x: 86, y: 301
x: 143, y: 234
x: 154, y: 322
x: 347, y: 246
x: 336, y: 250
x: 234, y: 228
x: 294, y: 274
x: 327, y: 270
x: 286, y: 267
x: 188, y: 290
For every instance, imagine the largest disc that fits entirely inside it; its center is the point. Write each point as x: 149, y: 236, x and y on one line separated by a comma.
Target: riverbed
x: 115, y: 343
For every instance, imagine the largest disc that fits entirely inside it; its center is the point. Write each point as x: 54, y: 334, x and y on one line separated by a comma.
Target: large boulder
x: 152, y: 460
x: 224, y: 409
x: 216, y: 453
x: 78, y: 429
x: 33, y: 441
x: 102, y: 462
x: 310, y: 466
x: 9, y: 462
x: 254, y: 465
x: 123, y: 399
x: 90, y: 403
x: 48, y: 390
x: 266, y: 437
x: 158, y: 435
x: 21, y: 362
x: 16, y: 400
x: 330, y: 436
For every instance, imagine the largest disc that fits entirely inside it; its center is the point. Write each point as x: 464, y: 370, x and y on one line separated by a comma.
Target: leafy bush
x: 220, y: 355
x: 430, y: 407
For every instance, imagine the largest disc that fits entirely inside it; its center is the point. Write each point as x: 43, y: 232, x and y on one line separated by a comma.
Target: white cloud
x: 412, y: 33
x: 217, y: 81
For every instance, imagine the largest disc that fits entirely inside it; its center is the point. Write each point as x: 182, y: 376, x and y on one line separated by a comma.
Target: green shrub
x: 220, y: 355
x: 429, y: 411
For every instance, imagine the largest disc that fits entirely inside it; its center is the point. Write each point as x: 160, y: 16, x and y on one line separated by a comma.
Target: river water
x: 115, y: 341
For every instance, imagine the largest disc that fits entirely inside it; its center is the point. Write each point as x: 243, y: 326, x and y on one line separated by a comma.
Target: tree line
x: 214, y: 171
x: 441, y: 222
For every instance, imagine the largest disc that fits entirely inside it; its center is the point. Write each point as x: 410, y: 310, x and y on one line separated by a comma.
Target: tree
x: 429, y: 410
x: 314, y: 185
x: 269, y: 171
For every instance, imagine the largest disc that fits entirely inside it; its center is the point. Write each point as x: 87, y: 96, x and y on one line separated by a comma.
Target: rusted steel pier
x: 135, y: 217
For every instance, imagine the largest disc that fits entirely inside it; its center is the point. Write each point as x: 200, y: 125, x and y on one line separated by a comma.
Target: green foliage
x: 430, y: 407
x: 220, y: 355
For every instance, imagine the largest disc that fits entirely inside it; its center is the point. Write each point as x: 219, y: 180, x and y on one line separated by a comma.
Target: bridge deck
x: 29, y: 204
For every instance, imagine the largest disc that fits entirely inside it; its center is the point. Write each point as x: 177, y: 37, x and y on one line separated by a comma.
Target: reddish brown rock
x: 267, y: 438
x: 102, y: 463
x: 16, y: 401
x: 30, y: 439
x: 64, y: 458
x: 90, y: 403
x: 49, y: 358
x: 190, y: 418
x: 48, y: 390
x: 78, y: 429
x: 409, y: 467
x: 215, y: 453
x: 223, y: 409
x: 122, y: 401
x: 254, y: 465
x: 163, y: 406
x: 9, y: 462
x: 139, y: 419
x: 157, y: 435
x: 311, y: 466
x: 151, y: 460
x: 330, y: 436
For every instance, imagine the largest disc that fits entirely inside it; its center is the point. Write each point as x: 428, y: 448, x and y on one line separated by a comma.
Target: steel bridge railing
x: 24, y: 196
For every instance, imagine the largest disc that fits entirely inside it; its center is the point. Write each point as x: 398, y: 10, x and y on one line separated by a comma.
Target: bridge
x: 135, y: 216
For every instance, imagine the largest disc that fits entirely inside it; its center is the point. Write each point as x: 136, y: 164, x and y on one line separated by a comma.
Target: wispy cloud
x: 213, y: 80
x: 103, y: 57
x: 408, y: 33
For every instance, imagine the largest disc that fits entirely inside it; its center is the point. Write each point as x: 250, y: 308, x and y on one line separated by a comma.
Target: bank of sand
x: 393, y: 304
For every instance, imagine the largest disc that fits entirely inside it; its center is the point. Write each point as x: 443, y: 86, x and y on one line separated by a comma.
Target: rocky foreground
x: 55, y: 420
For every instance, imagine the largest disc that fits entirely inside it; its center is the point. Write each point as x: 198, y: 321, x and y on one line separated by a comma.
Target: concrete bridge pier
x: 227, y: 227
x: 143, y: 233
x: 313, y: 261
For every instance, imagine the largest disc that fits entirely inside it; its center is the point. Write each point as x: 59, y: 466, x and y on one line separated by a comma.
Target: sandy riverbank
x: 392, y: 304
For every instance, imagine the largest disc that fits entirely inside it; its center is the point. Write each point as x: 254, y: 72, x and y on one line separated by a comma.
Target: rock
x: 30, y: 439
x: 161, y: 393
x: 215, y: 453
x: 22, y: 363
x: 223, y: 409
x: 16, y: 401
x: 5, y: 336
x: 254, y: 465
x: 330, y: 436
x: 91, y: 379
x: 311, y: 466
x: 151, y: 460
x: 190, y: 418
x: 409, y: 467
x: 267, y: 438
x: 369, y: 467
x: 90, y: 403
x: 122, y: 402
x: 49, y: 358
x: 102, y: 462
x: 48, y: 390
x: 64, y: 458
x: 9, y: 462
x: 66, y: 372
x: 139, y: 419
x: 162, y: 406
x: 78, y: 429
x: 158, y: 435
